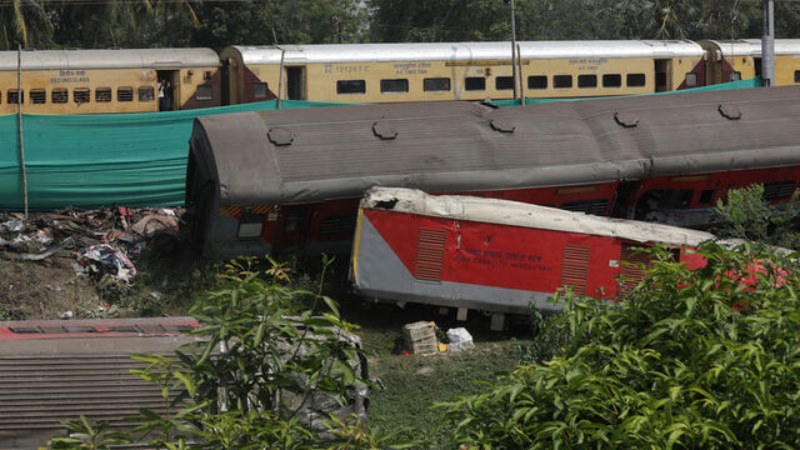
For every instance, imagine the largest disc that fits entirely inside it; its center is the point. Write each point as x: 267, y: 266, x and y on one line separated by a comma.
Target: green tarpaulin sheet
x: 134, y: 160
x: 89, y: 161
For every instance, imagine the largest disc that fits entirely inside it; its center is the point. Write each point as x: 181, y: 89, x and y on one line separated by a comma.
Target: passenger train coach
x: 110, y: 81
x: 271, y: 181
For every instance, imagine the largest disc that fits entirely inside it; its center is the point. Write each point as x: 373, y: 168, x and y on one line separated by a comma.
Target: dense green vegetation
x: 157, y: 23
x: 703, y: 358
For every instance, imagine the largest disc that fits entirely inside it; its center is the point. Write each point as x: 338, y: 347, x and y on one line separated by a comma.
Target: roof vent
x: 730, y: 112
x: 626, y: 120
x: 503, y: 125
x: 280, y: 136
x: 384, y: 131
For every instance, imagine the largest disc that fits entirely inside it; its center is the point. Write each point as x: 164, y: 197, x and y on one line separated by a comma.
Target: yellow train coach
x: 741, y: 59
x: 459, y: 71
x: 109, y: 81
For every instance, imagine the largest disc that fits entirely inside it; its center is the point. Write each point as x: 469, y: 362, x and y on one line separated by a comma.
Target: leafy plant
x: 675, y: 365
x: 747, y: 215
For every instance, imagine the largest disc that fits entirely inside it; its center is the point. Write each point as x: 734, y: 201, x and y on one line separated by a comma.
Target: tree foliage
x: 270, y: 364
x: 747, y: 215
x: 673, y: 366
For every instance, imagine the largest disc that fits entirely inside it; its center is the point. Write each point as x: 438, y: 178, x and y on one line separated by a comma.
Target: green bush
x: 673, y: 366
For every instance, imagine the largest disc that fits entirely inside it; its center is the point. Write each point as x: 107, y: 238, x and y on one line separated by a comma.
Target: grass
x: 413, y: 383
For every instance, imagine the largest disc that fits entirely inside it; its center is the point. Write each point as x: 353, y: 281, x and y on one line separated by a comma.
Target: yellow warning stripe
x: 236, y: 211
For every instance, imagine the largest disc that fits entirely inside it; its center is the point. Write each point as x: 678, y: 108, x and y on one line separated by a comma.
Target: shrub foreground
x: 692, y: 359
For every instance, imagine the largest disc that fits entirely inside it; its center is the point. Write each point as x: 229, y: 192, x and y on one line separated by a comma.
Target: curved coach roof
x: 110, y: 59
x: 462, y: 51
x: 336, y: 152
x: 752, y: 47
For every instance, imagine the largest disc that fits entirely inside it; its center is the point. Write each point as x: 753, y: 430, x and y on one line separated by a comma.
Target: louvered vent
x: 341, y: 225
x: 781, y: 189
x: 630, y: 270
x: 575, y: 270
x: 596, y: 207
x: 430, y: 255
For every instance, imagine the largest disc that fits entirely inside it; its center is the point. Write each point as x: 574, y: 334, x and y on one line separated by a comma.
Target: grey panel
x: 451, y: 146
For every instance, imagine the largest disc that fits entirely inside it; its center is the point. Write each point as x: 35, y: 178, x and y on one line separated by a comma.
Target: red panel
x: 249, y: 80
x: 500, y: 255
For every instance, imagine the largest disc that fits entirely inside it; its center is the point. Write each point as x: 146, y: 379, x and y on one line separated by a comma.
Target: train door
x: 663, y: 71
x: 295, y: 83
x: 169, y: 95
x: 292, y: 227
x: 225, y: 81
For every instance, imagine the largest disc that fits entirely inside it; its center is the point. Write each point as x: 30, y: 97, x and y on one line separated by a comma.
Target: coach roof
x: 310, y: 155
x: 461, y: 51
x: 162, y: 58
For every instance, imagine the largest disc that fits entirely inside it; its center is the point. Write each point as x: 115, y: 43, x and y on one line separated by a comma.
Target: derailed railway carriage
x: 497, y: 255
x: 278, y: 180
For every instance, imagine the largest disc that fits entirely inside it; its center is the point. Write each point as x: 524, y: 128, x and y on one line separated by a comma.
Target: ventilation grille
x: 631, y: 270
x: 430, y: 255
x: 596, y: 207
x: 342, y: 225
x: 576, y: 268
x: 782, y: 189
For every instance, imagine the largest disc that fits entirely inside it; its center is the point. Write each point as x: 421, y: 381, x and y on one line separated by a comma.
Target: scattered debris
x: 460, y: 340
x: 103, y: 241
x: 104, y: 258
x: 420, y: 338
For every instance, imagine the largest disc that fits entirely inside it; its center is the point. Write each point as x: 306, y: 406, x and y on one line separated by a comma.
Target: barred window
x: 14, y: 96
x: 204, y: 92
x: 504, y: 83
x: 125, y: 94
x: 396, y: 85
x: 81, y: 95
x: 38, y: 96
x: 102, y: 95
x: 147, y: 93
x: 59, y: 96
x: 259, y: 90
x: 562, y: 81
x: 537, y: 82
x: 612, y: 80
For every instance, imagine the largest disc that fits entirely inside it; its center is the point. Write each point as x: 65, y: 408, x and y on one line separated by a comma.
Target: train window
x: 436, y: 84
x: 60, y: 96
x: 259, y: 90
x: 706, y: 196
x: 797, y: 76
x: 204, y: 92
x: 38, y: 96
x: 562, y: 81
x: 537, y: 82
x: 736, y: 76
x: 80, y: 95
x: 1, y: 97
x: 14, y: 98
x: 147, y: 94
x: 587, y: 81
x: 351, y: 87
x: 504, y: 83
x: 475, y: 83
x: 125, y: 94
x: 636, y: 80
x: 102, y: 95
x: 612, y: 80
x: 691, y: 79
x: 395, y: 85
x: 250, y: 226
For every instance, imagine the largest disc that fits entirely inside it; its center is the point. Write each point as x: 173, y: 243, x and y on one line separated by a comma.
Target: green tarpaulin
x: 89, y: 161
x: 133, y: 160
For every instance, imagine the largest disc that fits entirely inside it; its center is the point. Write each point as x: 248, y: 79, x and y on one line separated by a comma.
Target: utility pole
x: 513, y: 49
x: 768, y: 44
x: 22, y: 164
